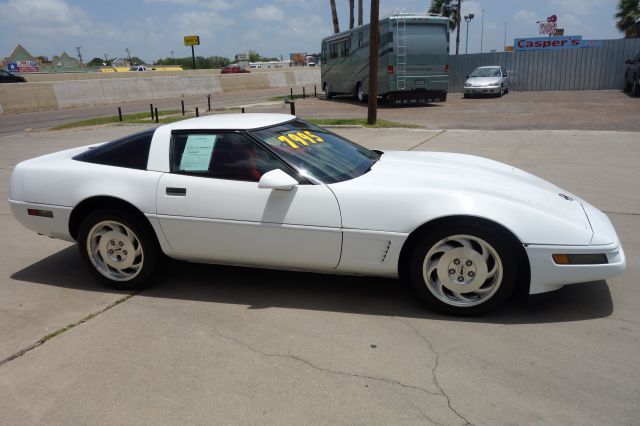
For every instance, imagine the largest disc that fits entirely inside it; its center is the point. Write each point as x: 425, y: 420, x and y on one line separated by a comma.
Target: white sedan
x: 271, y: 190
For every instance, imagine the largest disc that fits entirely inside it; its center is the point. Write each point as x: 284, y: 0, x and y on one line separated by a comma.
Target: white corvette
x: 271, y: 190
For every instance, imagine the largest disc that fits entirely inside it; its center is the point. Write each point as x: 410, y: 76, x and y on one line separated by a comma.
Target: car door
x: 210, y: 207
x: 505, y: 78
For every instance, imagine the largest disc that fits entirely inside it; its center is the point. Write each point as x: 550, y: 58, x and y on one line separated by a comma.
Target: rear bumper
x: 546, y: 275
x: 413, y: 96
x: 54, y: 227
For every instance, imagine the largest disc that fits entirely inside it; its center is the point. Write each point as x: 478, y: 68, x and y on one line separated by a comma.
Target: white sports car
x: 270, y: 190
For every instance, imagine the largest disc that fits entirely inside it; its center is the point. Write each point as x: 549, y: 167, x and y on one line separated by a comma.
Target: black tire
x: 503, y: 246
x: 466, y: 96
x: 149, y: 259
x: 627, y: 85
x: 327, y: 91
x: 501, y: 92
x: 506, y: 90
x: 635, y: 87
x: 359, y: 95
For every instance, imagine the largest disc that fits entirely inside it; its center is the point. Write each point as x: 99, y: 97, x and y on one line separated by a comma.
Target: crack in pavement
x: 427, y: 140
x: 434, y: 368
x: 323, y: 369
x: 68, y: 327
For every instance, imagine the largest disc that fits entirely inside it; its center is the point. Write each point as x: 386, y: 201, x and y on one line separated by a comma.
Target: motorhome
x: 413, y: 59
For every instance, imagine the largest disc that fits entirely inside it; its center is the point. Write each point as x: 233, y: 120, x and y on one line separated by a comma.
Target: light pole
x: 482, y: 31
x: 467, y: 19
x: 504, y: 47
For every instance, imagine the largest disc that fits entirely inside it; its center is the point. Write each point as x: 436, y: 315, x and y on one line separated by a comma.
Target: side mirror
x: 506, y: 75
x: 628, y: 62
x: 277, y: 179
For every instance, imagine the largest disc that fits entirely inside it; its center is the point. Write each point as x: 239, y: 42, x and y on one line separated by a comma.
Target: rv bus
x: 412, y: 60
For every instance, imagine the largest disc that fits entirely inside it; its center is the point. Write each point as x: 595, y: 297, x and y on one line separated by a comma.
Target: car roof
x: 231, y: 122
x: 489, y: 66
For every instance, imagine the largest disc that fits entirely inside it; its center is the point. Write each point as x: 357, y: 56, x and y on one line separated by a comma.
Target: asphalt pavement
x: 213, y: 344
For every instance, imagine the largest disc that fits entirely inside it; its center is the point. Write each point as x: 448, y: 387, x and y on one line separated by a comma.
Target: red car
x: 233, y: 69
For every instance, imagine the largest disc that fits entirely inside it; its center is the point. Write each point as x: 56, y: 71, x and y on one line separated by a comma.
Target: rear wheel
x: 119, y: 249
x: 635, y: 88
x: 360, y: 96
x: 463, y: 269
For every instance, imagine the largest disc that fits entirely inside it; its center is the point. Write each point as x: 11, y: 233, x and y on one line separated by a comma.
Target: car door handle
x: 180, y: 192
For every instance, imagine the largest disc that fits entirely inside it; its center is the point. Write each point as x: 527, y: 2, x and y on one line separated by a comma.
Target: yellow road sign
x: 191, y: 40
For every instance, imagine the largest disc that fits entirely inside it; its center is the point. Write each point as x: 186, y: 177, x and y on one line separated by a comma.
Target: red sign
x: 552, y: 18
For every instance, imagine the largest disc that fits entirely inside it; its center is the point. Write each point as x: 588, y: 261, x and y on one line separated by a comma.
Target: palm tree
x: 629, y: 18
x: 351, y: 5
x: 451, y: 9
x: 334, y: 14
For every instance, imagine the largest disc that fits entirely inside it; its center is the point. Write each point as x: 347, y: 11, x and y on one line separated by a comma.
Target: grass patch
x: 283, y: 97
x: 139, y: 117
x: 380, y: 124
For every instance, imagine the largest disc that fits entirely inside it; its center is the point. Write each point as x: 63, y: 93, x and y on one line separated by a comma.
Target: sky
x: 151, y: 29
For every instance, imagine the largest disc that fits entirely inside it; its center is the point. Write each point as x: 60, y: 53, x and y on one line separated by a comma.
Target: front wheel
x: 463, y: 269
x: 327, y: 91
x: 119, y: 249
x: 635, y: 88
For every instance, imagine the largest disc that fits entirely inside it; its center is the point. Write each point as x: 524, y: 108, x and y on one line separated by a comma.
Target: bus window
x: 345, y: 48
x: 333, y: 51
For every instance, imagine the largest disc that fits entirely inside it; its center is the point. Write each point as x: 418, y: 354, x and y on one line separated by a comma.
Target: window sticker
x: 197, y: 153
x: 298, y: 139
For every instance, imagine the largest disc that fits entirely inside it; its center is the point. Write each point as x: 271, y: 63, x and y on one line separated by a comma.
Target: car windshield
x: 486, y: 72
x: 317, y: 153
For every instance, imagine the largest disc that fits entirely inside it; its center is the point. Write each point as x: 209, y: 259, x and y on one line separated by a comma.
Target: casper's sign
x: 547, y: 43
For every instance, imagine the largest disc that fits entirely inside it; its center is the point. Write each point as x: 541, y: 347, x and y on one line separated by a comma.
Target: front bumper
x: 485, y: 90
x: 546, y: 275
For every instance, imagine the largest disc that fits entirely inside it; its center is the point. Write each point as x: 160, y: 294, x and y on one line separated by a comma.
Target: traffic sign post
x: 192, y: 41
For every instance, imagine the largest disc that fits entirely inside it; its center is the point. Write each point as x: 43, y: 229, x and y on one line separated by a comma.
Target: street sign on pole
x: 372, y: 113
x: 192, y: 41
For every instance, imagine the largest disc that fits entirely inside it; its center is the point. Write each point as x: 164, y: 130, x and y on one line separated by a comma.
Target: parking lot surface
x: 566, y: 110
x: 214, y: 344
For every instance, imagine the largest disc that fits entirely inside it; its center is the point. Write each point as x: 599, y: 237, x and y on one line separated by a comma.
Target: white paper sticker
x: 197, y: 153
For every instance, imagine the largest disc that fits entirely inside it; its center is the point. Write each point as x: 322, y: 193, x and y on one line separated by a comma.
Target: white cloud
x: 575, y: 7
x: 210, y: 4
x: 266, y: 13
x: 526, y: 16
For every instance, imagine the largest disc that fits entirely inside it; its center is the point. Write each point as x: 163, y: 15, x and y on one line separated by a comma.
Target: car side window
x: 225, y: 155
x: 4, y: 73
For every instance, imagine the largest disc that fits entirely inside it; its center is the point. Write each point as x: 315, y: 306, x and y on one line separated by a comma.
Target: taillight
x: 446, y: 68
x: 389, y: 69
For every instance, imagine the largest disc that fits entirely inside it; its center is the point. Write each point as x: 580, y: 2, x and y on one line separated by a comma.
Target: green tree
x: 450, y: 9
x: 628, y: 17
x: 96, y: 62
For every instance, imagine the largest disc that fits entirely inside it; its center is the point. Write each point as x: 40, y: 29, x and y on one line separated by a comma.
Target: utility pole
x: 172, y: 54
x: 467, y: 19
x: 372, y: 114
x: 79, y: 54
x: 504, y: 47
x: 106, y: 59
x: 482, y: 32
x: 128, y: 55
x: 458, y: 9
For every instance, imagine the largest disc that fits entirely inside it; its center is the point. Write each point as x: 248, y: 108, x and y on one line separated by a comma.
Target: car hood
x: 471, y: 178
x: 483, y: 81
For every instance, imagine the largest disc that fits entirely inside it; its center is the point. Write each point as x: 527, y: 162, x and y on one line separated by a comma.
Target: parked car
x: 138, y: 68
x: 489, y: 80
x: 7, y: 77
x: 271, y: 190
x: 233, y: 69
x: 632, y: 75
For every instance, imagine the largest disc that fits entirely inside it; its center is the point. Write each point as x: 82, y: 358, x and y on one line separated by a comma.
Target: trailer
x: 413, y: 60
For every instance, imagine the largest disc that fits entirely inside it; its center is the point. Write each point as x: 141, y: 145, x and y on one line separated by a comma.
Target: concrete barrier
x: 71, y: 93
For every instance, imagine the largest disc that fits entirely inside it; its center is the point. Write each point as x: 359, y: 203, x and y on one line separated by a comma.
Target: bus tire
x: 327, y: 91
x: 358, y: 93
